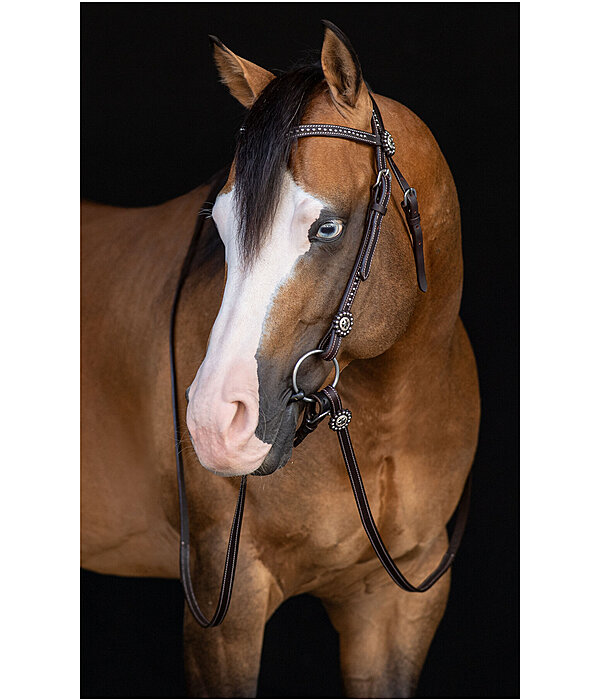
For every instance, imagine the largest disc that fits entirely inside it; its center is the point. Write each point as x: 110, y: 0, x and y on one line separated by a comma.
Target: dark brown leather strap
x: 413, y: 219
x: 410, y: 208
x: 184, y: 526
x: 339, y: 420
x: 228, y: 571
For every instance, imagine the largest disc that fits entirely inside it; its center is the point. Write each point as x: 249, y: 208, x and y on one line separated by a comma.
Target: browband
x: 340, y: 132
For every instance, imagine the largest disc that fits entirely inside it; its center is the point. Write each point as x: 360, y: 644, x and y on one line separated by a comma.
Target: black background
x: 156, y: 122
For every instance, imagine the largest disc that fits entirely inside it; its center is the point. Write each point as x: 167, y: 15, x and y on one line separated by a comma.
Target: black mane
x: 264, y: 149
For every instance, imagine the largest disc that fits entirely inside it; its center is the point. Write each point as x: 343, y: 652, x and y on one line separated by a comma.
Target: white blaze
x: 223, y: 407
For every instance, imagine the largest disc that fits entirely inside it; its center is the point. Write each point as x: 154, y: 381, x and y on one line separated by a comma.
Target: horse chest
x: 321, y: 535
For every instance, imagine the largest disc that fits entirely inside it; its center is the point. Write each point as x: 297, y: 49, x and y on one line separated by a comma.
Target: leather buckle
x: 377, y: 193
x: 380, y: 174
x: 315, y: 415
x: 314, y: 412
x: 409, y: 191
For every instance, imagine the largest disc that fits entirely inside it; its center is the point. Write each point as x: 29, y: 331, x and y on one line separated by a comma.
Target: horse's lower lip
x: 281, y: 451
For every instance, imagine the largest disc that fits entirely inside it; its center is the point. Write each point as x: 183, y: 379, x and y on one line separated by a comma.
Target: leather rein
x: 325, y: 402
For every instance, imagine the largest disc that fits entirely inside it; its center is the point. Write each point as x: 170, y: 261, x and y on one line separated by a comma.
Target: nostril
x: 223, y: 423
x: 241, y: 418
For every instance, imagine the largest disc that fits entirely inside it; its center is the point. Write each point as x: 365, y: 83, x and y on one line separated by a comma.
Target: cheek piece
x: 326, y: 402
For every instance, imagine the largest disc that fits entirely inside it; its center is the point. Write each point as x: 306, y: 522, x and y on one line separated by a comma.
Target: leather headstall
x: 385, y: 149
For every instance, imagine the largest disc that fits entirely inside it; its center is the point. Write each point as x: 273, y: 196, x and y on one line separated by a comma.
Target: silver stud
x: 388, y: 143
x: 340, y: 420
x: 342, y: 323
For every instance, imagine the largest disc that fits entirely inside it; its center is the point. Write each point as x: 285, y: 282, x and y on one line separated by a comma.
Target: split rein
x: 325, y: 402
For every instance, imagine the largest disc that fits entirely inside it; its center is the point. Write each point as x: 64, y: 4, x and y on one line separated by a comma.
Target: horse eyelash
x: 206, y: 212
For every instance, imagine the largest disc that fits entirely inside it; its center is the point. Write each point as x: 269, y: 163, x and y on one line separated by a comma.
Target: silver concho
x: 341, y: 420
x: 388, y: 143
x: 342, y: 323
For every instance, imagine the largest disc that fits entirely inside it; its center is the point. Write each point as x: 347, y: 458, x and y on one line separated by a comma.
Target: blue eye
x: 330, y: 230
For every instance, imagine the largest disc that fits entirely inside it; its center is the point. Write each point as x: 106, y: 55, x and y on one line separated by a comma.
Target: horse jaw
x: 224, y: 411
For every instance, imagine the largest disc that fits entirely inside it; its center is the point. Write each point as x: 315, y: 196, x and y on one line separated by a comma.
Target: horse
x: 276, y: 245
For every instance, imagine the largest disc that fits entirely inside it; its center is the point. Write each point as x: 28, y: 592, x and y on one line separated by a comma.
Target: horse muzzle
x: 222, y: 417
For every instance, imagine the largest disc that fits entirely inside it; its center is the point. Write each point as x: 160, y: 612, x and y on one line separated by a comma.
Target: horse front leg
x: 385, y: 633
x: 224, y: 661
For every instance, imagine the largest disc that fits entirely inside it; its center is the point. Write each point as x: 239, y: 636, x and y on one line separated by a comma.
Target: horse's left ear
x: 244, y: 79
x: 342, y: 71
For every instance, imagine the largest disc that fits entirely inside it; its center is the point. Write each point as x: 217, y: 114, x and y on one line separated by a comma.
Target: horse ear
x: 342, y: 70
x: 244, y: 79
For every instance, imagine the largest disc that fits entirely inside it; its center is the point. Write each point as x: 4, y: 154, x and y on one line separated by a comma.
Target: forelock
x: 263, y: 151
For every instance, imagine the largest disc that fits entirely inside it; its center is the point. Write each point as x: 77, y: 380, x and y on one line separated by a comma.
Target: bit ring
x: 297, y: 390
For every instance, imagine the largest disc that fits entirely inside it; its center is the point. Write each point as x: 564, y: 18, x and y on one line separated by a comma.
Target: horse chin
x: 281, y: 451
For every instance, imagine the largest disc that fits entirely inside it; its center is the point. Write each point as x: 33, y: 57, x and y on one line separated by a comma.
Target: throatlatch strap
x: 339, y: 421
x: 184, y: 526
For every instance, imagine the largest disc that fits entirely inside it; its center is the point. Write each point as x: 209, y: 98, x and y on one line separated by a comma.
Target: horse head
x: 291, y: 217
